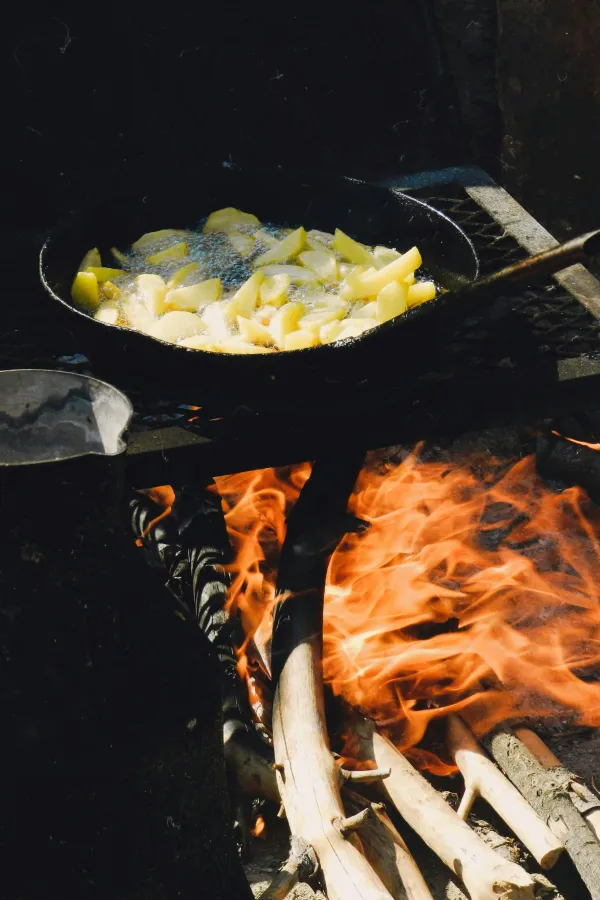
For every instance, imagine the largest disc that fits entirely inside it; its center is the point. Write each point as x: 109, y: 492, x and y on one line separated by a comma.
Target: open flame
x: 476, y: 589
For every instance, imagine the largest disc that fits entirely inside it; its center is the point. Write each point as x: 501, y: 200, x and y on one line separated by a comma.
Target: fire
x: 476, y: 589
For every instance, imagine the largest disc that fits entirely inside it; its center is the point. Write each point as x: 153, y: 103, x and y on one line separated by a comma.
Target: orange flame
x: 475, y: 589
x: 581, y: 443
x: 258, y: 830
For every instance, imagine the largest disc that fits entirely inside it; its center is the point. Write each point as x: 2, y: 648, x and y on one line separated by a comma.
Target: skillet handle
x: 534, y: 268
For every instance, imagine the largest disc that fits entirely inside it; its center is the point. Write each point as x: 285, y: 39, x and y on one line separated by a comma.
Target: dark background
x: 372, y: 89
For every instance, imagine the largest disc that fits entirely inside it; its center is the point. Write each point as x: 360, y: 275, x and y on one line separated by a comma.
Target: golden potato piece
x: 194, y: 296
x: 111, y: 291
x: 365, y: 311
x: 267, y: 239
x: 213, y: 317
x: 107, y: 313
x: 296, y: 274
x: 300, y: 340
x: 103, y: 273
x: 229, y: 219
x: 152, y: 238
x: 239, y: 345
x: 355, y: 327
x: 348, y: 285
x: 198, y: 342
x: 254, y: 332
x: 241, y: 243
x: 351, y: 250
x: 243, y: 302
x: 370, y: 283
x: 177, y: 324
x: 289, y: 247
x: 152, y: 291
x: 323, y: 263
x: 177, y: 251
x: 273, y: 289
x: 410, y: 279
x: 392, y: 301
x: 91, y: 258
x: 85, y: 291
x: 314, y: 321
x: 329, y: 332
x: 421, y: 293
x: 284, y: 321
x: 136, y: 314
x: 384, y: 255
x: 264, y: 314
x: 120, y: 257
x: 182, y: 274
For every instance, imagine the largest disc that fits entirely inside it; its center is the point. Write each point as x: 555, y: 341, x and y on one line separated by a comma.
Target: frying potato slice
x: 289, y: 247
x: 410, y: 279
x: 323, y: 263
x: 103, y: 273
x: 241, y: 243
x: 264, y: 314
x: 296, y: 274
x: 177, y: 251
x: 239, y: 345
x: 243, y: 302
x: 273, y: 290
x: 107, y: 313
x: 111, y: 291
x: 392, y: 301
x: 85, y: 291
x: 152, y: 291
x: 284, y: 321
x: 254, y: 332
x: 385, y: 255
x: 175, y: 325
x: 351, y: 250
x: 354, y: 327
x: 329, y: 332
x: 370, y: 283
x: 300, y: 340
x: 152, y: 238
x: 91, y: 258
x: 198, y: 342
x: 136, y: 314
x: 229, y: 219
x: 267, y: 239
x: 194, y: 296
x: 325, y: 237
x: 314, y: 321
x: 350, y: 281
x: 213, y: 317
x: 178, y: 277
x: 120, y: 257
x: 421, y: 293
x: 366, y: 311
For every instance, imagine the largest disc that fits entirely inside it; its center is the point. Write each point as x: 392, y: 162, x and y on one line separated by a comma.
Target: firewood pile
x: 345, y: 816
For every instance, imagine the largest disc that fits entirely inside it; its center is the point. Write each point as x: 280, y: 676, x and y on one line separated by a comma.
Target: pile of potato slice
x: 305, y: 288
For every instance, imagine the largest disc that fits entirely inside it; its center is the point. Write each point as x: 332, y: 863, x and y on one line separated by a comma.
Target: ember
x: 475, y: 589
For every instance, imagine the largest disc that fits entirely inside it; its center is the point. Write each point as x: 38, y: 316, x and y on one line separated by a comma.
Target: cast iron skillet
x: 326, y: 378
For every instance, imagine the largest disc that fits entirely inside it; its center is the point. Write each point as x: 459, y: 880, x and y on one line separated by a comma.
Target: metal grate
x: 561, y: 327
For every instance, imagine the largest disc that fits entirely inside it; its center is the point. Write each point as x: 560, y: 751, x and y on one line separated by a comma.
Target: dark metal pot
x: 320, y: 377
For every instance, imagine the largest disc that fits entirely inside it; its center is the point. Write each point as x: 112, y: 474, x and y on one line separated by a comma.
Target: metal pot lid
x: 50, y: 416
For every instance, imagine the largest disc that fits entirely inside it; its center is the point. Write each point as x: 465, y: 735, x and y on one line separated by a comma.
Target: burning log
x: 486, y: 875
x: 549, y: 796
x: 307, y: 775
x: 483, y: 779
x: 584, y: 799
